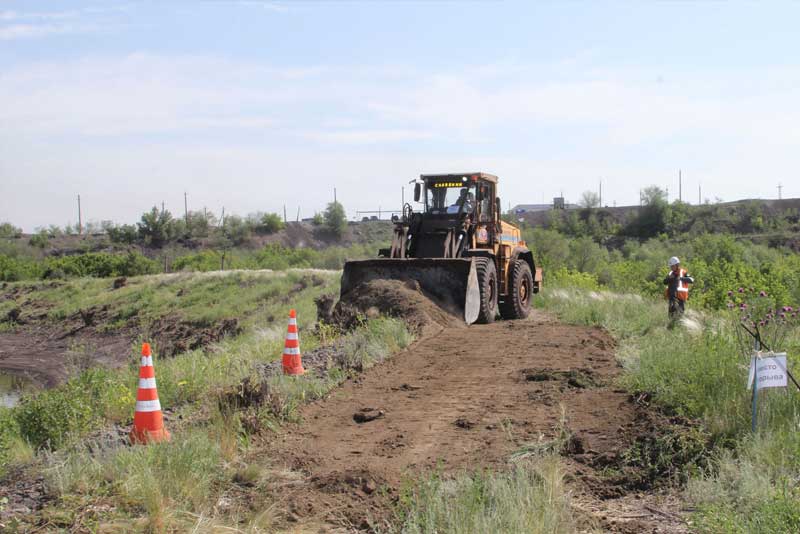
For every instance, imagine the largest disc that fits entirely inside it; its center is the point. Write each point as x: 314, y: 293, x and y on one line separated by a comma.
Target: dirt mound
x: 174, y: 336
x: 405, y: 300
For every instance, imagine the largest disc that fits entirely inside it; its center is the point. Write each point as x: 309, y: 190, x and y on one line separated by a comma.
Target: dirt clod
x: 463, y: 422
x: 366, y: 415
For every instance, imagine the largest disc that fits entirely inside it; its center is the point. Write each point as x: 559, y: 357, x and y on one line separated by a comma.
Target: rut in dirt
x: 465, y: 398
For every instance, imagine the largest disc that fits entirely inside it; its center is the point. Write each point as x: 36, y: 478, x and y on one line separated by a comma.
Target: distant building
x: 558, y: 203
x: 519, y: 209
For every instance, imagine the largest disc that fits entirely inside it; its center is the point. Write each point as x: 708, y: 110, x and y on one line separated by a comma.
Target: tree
x: 317, y: 220
x: 155, y: 228
x: 270, y: 223
x: 236, y: 229
x: 125, y: 234
x: 199, y: 223
x: 335, y: 219
x: 9, y: 230
x: 590, y: 199
x: 653, y: 216
x: 653, y: 195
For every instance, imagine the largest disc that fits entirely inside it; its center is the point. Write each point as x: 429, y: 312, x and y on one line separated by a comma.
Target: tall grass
x: 160, y: 481
x: 697, y: 370
x: 530, y: 497
x: 176, y: 486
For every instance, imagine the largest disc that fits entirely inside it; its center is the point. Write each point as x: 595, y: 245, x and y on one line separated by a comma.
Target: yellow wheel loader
x: 458, y: 249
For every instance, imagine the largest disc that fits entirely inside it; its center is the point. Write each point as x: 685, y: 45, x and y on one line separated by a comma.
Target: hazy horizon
x: 256, y: 105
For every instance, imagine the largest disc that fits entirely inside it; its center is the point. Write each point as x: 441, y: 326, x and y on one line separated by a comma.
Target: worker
x: 677, y: 282
x: 464, y: 203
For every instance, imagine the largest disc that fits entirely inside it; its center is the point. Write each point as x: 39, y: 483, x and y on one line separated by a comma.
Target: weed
x: 529, y: 497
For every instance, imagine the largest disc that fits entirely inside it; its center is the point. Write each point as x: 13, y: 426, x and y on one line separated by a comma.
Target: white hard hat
x: 673, y: 261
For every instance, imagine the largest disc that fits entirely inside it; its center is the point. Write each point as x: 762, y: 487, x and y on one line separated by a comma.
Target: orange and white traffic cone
x: 292, y: 360
x: 148, y: 422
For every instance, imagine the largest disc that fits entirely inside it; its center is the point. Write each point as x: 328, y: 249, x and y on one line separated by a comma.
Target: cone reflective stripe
x: 148, y: 421
x: 292, y: 360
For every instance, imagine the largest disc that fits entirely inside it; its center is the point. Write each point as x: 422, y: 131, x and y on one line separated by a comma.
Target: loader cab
x: 456, y: 196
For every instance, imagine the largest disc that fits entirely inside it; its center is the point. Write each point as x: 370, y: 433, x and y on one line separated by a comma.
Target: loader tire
x: 517, y: 304
x: 487, y: 283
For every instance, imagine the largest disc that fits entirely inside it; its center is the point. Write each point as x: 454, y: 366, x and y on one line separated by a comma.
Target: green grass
x: 174, y: 486
x: 697, y: 370
x: 253, y: 296
x: 529, y: 497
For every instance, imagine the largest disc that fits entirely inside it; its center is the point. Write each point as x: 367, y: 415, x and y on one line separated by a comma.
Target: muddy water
x: 11, y: 388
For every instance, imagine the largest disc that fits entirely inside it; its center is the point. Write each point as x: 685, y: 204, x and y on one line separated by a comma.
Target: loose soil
x: 468, y: 398
x: 46, y: 352
x: 423, y: 314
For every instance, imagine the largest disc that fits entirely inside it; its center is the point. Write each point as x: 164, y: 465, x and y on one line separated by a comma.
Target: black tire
x: 517, y: 304
x: 487, y: 283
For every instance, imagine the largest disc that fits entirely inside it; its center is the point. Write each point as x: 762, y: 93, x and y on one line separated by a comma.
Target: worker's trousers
x: 676, y: 308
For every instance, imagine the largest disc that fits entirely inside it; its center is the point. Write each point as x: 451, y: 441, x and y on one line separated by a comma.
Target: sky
x: 257, y: 105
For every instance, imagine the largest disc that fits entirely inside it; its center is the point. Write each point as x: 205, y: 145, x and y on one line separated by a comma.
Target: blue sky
x: 253, y: 105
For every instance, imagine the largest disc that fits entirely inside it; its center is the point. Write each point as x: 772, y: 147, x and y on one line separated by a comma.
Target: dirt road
x: 468, y: 398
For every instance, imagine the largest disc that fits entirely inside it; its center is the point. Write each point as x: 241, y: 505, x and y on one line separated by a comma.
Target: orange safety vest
x: 682, y: 292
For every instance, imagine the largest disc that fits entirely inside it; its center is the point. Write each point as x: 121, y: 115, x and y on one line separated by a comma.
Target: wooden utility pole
x: 285, y: 220
x: 680, y: 186
x: 699, y: 195
x: 186, y: 209
x: 298, y: 214
x: 80, y: 219
x: 780, y: 191
x: 162, y: 206
x: 334, y: 195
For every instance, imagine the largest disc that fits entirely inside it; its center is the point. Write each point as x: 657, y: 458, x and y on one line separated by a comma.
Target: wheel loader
x: 458, y: 249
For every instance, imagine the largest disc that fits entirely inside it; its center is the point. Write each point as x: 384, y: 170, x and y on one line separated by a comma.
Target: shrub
x: 100, y: 264
x: 52, y: 417
x: 9, y: 430
x: 39, y: 240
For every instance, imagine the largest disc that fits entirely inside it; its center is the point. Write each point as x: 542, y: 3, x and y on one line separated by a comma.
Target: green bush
x: 101, y: 265
x: 50, y: 418
x: 9, y: 430
x: 16, y: 269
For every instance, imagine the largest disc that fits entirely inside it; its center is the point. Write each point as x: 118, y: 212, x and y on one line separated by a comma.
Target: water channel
x: 11, y: 389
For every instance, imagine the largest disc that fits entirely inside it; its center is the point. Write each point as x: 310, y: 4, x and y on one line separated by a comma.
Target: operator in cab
x: 463, y: 204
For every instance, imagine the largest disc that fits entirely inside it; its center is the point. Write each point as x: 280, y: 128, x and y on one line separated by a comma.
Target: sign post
x: 766, y: 372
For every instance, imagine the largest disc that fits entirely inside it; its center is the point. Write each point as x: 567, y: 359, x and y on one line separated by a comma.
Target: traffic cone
x: 148, y: 422
x: 292, y: 361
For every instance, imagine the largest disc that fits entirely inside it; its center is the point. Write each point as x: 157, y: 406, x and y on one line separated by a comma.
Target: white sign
x: 770, y: 370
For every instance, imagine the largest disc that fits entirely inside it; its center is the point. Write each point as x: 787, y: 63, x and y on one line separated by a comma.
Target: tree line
x: 158, y: 227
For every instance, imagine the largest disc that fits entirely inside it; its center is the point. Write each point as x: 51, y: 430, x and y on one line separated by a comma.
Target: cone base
x: 143, y: 437
x: 294, y: 370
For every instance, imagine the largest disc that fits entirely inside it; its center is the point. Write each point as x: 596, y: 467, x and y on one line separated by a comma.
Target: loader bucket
x: 453, y: 282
